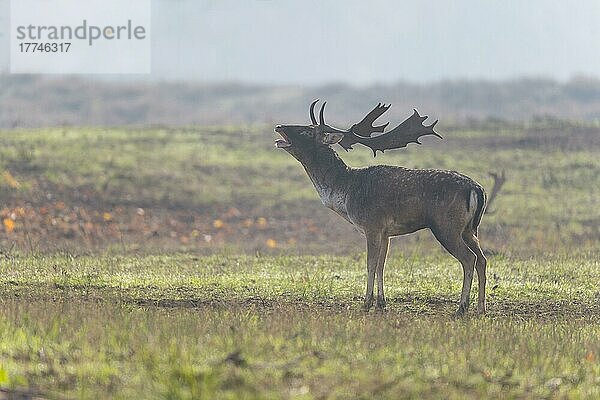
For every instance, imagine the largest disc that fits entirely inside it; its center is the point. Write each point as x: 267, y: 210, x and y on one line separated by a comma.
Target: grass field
x: 199, y: 263
x: 182, y: 326
x: 227, y: 187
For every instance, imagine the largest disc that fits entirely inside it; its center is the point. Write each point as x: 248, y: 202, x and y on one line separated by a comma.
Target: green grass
x: 414, y: 283
x: 551, y: 198
x: 103, y: 321
x: 182, y: 326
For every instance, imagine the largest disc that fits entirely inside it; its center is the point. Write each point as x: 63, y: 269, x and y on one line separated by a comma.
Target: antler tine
x: 312, y: 112
x: 365, y: 127
x: 321, y: 119
x: 323, y: 126
x: 433, y: 132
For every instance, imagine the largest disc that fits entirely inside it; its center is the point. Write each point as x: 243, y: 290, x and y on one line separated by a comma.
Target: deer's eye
x: 308, y: 133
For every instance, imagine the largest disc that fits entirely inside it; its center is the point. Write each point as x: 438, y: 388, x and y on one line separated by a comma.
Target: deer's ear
x: 332, y: 137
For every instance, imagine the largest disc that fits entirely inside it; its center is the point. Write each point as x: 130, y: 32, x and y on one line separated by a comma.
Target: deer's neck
x: 330, y: 176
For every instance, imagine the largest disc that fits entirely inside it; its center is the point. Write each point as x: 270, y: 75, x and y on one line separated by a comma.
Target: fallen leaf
x: 10, y: 180
x: 9, y: 225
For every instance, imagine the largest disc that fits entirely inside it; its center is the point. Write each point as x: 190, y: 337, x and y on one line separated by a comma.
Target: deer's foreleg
x: 383, y: 250
x: 373, y: 251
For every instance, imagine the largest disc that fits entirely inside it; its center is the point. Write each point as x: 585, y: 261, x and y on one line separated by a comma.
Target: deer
x: 385, y: 201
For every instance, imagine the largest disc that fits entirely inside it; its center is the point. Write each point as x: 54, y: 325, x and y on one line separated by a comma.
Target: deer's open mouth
x: 284, y: 141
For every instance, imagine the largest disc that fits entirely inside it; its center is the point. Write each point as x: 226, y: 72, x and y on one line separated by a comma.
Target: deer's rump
x: 403, y: 200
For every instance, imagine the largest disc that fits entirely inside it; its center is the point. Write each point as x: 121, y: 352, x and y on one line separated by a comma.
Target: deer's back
x: 405, y: 199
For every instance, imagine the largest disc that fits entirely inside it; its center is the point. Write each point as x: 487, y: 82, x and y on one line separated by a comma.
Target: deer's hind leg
x: 470, y: 238
x: 455, y: 245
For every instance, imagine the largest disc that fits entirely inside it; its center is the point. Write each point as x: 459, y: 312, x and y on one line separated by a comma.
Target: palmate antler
x: 365, y: 127
x: 407, y: 132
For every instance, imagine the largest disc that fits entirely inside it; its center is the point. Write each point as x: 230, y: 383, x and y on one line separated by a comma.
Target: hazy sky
x: 362, y: 42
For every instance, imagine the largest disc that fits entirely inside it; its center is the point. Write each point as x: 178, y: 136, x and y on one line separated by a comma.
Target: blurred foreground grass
x: 291, y: 327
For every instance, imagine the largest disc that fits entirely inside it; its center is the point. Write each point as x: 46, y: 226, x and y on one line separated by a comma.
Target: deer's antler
x: 407, y: 132
x: 312, y: 112
x: 365, y: 127
x: 322, y: 124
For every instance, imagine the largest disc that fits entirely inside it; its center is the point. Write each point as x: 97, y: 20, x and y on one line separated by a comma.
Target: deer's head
x: 298, y: 140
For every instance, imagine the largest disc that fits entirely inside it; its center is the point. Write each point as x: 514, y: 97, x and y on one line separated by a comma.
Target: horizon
x: 139, y: 79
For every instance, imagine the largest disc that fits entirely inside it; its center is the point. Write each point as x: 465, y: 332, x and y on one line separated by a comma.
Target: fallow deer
x: 383, y: 201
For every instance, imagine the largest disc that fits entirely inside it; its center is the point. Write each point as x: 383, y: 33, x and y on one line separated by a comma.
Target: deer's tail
x: 477, y: 196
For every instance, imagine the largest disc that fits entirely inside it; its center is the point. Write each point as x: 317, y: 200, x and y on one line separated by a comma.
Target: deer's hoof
x: 368, y: 303
x: 380, y: 303
x: 481, y: 310
x: 462, y: 310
